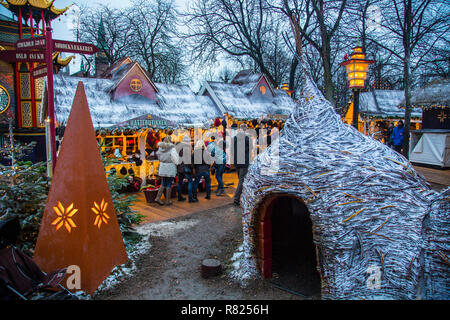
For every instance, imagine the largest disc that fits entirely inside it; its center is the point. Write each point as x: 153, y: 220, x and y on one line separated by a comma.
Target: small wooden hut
x: 431, y: 144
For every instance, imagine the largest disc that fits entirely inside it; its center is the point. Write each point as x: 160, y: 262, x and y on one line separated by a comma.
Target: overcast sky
x: 63, y: 26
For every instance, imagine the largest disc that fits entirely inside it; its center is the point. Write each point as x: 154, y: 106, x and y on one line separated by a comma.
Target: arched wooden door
x: 283, y: 224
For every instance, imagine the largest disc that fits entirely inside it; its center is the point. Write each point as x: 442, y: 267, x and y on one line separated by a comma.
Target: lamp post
x: 356, y: 68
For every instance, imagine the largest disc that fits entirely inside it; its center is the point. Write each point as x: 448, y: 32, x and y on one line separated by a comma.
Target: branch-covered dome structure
x: 370, y: 210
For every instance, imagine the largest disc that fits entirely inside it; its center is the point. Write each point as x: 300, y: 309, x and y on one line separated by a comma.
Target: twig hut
x: 350, y: 206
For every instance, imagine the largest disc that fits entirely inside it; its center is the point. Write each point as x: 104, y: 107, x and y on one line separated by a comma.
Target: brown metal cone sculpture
x: 79, y: 226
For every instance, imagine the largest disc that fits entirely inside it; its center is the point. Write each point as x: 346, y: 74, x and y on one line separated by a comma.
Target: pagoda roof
x: 50, y: 11
x: 63, y: 62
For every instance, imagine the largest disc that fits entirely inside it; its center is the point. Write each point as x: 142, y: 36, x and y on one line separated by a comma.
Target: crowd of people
x: 393, y: 136
x: 206, y: 158
x: 194, y: 163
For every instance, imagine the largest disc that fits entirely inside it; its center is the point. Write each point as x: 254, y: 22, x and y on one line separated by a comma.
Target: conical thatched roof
x: 367, y: 205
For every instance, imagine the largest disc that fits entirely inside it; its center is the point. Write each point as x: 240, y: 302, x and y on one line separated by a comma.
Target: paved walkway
x: 155, y: 212
x: 440, y: 177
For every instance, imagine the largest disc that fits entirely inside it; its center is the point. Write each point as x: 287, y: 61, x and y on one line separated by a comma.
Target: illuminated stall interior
x: 377, y: 109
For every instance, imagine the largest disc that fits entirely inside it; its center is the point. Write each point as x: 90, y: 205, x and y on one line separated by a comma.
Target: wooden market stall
x: 133, y: 145
x: 431, y: 144
x: 377, y: 110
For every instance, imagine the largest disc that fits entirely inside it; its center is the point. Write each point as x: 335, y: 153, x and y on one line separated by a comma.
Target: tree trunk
x: 407, y: 74
x: 294, y: 65
x: 328, y: 87
x: 407, y: 81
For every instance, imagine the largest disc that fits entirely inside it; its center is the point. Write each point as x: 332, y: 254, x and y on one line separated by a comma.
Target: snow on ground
x: 243, y: 268
x: 166, y: 228
x: 159, y: 229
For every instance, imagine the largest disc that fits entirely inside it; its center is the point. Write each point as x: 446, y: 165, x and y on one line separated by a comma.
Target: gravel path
x: 171, y: 267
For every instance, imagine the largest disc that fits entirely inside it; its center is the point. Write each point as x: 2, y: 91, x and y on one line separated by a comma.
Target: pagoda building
x: 22, y: 93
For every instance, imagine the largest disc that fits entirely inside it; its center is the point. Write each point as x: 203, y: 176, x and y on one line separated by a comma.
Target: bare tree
x: 145, y: 31
x: 412, y: 28
x: 153, y: 25
x: 105, y: 27
x: 225, y: 75
x: 318, y: 22
x: 243, y: 30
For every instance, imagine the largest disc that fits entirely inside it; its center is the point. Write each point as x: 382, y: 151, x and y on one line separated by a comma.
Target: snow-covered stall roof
x: 182, y: 105
x: 436, y: 93
x: 239, y: 105
x: 113, y: 68
x: 247, y: 79
x: 384, y: 104
x: 176, y: 103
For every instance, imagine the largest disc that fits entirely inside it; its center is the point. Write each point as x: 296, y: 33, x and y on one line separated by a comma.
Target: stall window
x: 131, y: 144
x: 262, y: 89
x: 108, y: 142
x: 118, y: 142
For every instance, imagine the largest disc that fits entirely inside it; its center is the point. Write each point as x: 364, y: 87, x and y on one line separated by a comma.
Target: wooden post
x: 31, y: 23
x: 43, y: 23
x: 32, y: 86
x: 51, y: 97
x: 355, y: 108
x: 211, y: 268
x: 20, y: 24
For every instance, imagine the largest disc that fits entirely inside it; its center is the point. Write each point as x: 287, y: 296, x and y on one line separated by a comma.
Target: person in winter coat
x: 242, y: 147
x: 185, y: 167
x: 220, y: 160
x: 168, y: 160
x: 388, y: 135
x: 397, y: 136
x: 201, y: 160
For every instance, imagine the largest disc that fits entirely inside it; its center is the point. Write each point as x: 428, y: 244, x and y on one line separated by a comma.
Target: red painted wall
x: 7, y: 81
x: 123, y: 89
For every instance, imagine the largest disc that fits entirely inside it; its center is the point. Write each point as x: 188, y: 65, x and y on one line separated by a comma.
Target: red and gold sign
x: 79, y: 226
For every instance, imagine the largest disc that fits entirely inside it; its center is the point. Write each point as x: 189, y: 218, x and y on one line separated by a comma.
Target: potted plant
x: 150, y: 192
